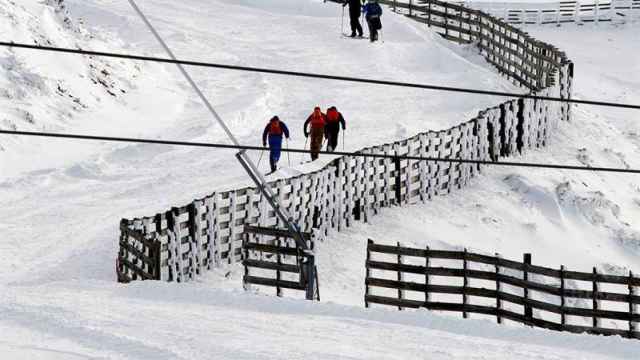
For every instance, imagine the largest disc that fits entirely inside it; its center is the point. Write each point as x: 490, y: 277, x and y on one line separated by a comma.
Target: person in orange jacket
x: 316, y: 121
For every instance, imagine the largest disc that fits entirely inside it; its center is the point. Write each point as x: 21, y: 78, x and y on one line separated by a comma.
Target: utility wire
x: 341, y: 153
x: 315, y: 75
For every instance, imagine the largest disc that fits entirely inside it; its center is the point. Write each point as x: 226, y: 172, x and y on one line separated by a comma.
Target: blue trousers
x: 275, y: 149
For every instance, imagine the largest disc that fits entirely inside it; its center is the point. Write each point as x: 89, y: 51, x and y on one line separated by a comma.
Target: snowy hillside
x: 61, y: 201
x: 53, y: 92
x: 576, y: 219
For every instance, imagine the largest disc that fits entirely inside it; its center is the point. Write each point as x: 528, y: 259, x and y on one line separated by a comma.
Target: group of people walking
x: 372, y: 12
x: 319, y: 126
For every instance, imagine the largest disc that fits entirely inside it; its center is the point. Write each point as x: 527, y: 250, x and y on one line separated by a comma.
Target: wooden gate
x: 271, y: 258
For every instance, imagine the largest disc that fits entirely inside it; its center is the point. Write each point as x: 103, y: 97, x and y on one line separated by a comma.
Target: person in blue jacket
x: 274, y: 130
x: 372, y: 12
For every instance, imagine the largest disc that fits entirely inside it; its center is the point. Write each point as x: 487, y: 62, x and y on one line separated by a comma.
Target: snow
x: 61, y: 201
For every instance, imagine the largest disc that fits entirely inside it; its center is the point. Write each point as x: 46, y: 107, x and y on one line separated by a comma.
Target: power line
x: 315, y: 75
x: 341, y: 153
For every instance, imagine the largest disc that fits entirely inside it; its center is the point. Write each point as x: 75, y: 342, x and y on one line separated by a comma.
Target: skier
x: 317, y: 120
x: 275, y: 129
x: 332, y: 130
x: 372, y: 12
x: 354, y: 15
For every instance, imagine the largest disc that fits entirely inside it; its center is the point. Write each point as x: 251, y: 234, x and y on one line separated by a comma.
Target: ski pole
x: 288, y: 154
x: 343, y: 140
x: 259, y: 160
x: 305, y: 148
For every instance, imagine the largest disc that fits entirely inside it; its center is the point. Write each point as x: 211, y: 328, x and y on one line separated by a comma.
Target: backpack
x: 275, y: 128
x: 317, y: 120
x: 333, y: 116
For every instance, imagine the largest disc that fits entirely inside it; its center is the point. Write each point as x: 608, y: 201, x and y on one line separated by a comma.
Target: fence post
x: 426, y: 276
x: 410, y: 6
x: 528, y: 311
x: 368, y: 273
x: 464, y: 284
x: 429, y: 14
x: 563, y: 319
x: 278, y: 274
x: 446, y: 21
x: 245, y: 241
x: 400, y: 292
x: 595, y: 297
x: 396, y: 161
x: 632, y: 325
x: 498, y: 290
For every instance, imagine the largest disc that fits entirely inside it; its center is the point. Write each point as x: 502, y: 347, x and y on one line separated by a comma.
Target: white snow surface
x: 61, y: 201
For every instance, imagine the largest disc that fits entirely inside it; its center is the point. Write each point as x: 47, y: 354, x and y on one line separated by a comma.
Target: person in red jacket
x: 317, y: 121
x: 332, y: 130
x: 274, y: 130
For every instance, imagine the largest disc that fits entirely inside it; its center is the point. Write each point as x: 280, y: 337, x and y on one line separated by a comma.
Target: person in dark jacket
x: 373, y: 12
x: 355, y: 7
x: 274, y: 131
x: 316, y: 121
x: 332, y: 129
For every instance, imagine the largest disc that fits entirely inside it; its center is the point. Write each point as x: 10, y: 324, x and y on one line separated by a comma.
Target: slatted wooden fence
x: 541, y: 13
x: 518, y: 291
x: 192, y: 239
x: 562, y: 12
x: 272, y: 259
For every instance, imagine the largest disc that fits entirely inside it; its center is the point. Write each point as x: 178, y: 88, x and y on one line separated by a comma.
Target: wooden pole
x: 464, y: 284
x: 563, y: 317
x: 426, y: 277
x: 528, y: 311
x: 446, y: 21
x: 368, y: 272
x: 400, y: 292
x: 278, y: 274
x: 245, y: 241
x: 595, y: 297
x: 632, y: 325
x: 398, y: 179
x: 498, y: 290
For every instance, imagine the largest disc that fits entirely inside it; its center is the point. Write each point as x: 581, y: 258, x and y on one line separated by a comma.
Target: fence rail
x: 390, y: 274
x: 192, y: 239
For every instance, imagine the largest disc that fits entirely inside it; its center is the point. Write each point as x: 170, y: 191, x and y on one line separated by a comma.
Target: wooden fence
x: 208, y: 232
x: 542, y: 13
x: 518, y: 291
x: 272, y: 259
x: 562, y: 12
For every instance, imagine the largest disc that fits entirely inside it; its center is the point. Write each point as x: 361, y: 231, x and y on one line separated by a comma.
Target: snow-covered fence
x: 191, y: 239
x: 561, y: 12
x: 461, y: 281
x: 542, y: 13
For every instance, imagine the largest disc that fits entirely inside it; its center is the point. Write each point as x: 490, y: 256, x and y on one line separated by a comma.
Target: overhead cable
x: 304, y: 151
x: 316, y: 75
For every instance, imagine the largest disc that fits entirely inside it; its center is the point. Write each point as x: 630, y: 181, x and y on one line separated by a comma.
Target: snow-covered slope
x: 576, y: 219
x: 55, y: 92
x: 90, y: 196
x: 60, y: 201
